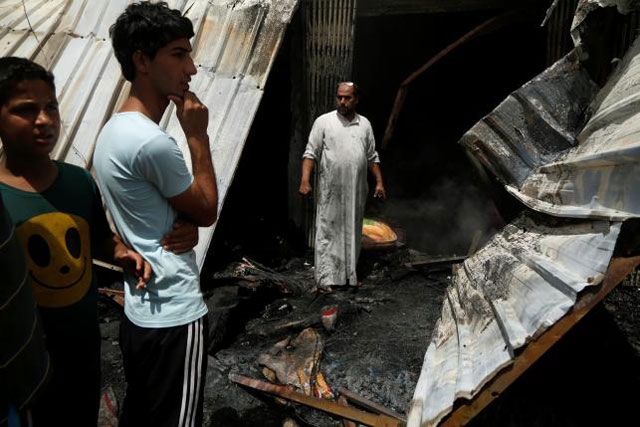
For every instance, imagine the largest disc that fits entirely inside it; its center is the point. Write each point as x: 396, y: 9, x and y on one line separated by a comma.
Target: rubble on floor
x: 374, y: 349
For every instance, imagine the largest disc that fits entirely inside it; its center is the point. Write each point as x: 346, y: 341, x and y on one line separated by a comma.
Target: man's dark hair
x: 146, y: 27
x: 14, y: 70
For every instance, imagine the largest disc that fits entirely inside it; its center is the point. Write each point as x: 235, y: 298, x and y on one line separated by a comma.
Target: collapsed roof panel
x: 234, y: 47
x: 585, y: 7
x: 565, y: 150
x: 532, y: 144
x: 523, y: 281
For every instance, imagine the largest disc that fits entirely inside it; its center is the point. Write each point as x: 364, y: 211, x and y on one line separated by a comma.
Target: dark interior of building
x: 433, y: 190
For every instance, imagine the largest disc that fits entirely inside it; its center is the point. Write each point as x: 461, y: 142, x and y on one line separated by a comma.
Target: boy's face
x: 30, y: 120
x: 171, y: 69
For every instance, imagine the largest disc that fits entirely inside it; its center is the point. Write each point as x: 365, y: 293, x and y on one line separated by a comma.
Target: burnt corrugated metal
x: 535, y: 143
x: 565, y: 149
x: 329, y: 26
x: 586, y: 7
x: 518, y: 285
x: 234, y: 47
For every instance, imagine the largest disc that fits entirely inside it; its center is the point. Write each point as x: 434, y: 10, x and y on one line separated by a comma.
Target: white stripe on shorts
x: 186, y: 374
x: 191, y: 385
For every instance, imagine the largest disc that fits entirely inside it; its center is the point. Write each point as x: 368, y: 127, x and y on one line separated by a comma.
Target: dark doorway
x: 433, y: 189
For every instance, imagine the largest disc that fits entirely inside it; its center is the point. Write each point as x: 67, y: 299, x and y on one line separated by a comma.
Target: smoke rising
x: 445, y: 220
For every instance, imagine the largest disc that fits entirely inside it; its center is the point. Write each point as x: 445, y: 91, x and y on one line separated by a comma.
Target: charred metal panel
x: 563, y: 149
x: 534, y: 124
x: 234, y: 47
x: 518, y: 285
x: 329, y: 26
x: 586, y: 7
x: 536, y: 144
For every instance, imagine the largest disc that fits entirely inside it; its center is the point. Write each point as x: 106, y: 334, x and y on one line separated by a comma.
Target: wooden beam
x: 370, y: 405
x: 345, y: 422
x: 323, y: 405
x: 369, y: 8
x: 618, y: 269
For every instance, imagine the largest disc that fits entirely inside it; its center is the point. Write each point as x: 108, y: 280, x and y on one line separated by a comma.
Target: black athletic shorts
x: 165, y: 369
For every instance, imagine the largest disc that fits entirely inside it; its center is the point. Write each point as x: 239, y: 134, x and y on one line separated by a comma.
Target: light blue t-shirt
x: 139, y: 166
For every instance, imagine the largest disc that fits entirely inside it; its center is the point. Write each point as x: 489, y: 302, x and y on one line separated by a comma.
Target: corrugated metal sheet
x: 234, y: 47
x: 518, y: 285
x: 535, y: 144
x: 329, y: 29
x: 540, y: 145
x: 585, y: 7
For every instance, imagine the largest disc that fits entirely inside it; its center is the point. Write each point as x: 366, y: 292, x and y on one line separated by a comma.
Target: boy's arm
x: 109, y: 247
x: 114, y: 250
x: 199, y: 202
x: 182, y: 238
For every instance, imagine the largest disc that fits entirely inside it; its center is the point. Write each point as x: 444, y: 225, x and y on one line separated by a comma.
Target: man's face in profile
x: 172, y: 67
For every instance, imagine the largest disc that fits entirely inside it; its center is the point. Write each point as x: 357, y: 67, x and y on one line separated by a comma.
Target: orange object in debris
x: 322, y: 389
x: 377, y: 234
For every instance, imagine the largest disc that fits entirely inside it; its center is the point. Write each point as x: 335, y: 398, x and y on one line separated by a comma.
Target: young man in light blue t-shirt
x: 146, y: 184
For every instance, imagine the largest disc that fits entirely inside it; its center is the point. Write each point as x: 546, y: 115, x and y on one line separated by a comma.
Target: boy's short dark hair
x: 146, y: 27
x: 14, y: 70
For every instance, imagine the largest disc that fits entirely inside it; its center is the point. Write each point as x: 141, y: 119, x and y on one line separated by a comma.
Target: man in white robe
x: 342, y: 145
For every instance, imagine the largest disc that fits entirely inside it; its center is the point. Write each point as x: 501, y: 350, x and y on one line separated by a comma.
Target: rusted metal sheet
x: 329, y: 30
x: 520, y: 283
x: 234, y: 47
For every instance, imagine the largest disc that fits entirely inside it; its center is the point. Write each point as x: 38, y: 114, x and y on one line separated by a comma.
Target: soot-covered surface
x: 375, y: 351
x: 378, y: 346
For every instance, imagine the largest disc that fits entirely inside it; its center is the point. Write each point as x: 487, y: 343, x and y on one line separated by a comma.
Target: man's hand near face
x: 199, y: 203
x: 193, y: 116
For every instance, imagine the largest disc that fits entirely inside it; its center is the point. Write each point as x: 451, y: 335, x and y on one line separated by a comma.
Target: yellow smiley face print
x: 58, y: 257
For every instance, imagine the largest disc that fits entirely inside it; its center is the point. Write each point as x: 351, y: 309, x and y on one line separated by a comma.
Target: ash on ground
x: 378, y: 346
x: 376, y: 349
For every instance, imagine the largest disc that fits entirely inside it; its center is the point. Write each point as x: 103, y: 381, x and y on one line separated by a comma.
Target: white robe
x: 342, y: 151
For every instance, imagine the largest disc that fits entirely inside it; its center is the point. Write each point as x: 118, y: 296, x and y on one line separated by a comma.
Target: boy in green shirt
x: 61, y: 224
